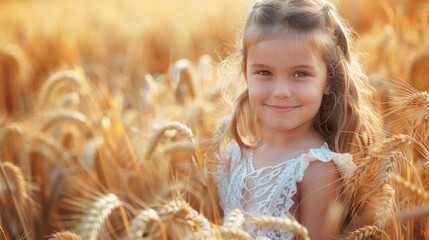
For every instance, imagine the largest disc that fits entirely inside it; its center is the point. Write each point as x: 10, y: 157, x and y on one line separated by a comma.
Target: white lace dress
x: 269, y: 190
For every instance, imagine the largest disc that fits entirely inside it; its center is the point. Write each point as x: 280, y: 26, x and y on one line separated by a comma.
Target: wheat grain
x: 65, y: 235
x: 178, y: 146
x: 424, y: 175
x: 234, y: 233
x: 141, y: 221
x: 334, y: 218
x: 61, y: 80
x: 235, y: 219
x: 395, y: 142
x: 286, y: 223
x: 15, y: 181
x: 89, y: 151
x: 63, y: 116
x: 403, y: 183
x: 385, y: 211
x: 14, y: 72
x: 97, y: 215
x: 364, y: 233
x: 182, y: 73
x: 159, y: 133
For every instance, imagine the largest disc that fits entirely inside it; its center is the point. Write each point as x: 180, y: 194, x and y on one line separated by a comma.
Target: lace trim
x: 269, y: 189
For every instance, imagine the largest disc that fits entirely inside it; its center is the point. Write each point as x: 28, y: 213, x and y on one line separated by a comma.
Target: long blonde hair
x: 347, y: 119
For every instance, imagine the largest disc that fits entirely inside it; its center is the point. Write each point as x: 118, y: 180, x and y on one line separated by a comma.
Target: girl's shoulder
x: 343, y: 161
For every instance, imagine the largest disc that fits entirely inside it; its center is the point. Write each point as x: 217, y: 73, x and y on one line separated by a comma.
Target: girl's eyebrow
x: 260, y: 65
x: 305, y: 66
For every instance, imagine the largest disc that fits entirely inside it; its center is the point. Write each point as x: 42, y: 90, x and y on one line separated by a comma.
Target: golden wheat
x: 334, y: 218
x: 161, y: 131
x: 424, y: 175
x: 386, y: 209
x: 58, y: 83
x: 285, y: 223
x: 235, y: 219
x: 65, y: 235
x: 365, y: 232
x: 406, y: 185
x: 141, y: 221
x: 97, y: 215
x: 14, y: 181
x: 141, y: 76
x: 234, y: 233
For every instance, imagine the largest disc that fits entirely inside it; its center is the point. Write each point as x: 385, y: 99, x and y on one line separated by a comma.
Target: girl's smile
x: 281, y: 109
x: 286, y: 78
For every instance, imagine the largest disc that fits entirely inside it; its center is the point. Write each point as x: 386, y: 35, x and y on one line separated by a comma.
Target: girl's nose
x: 282, y: 89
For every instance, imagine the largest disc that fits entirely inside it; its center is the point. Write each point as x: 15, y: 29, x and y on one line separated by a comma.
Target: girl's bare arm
x: 318, y: 189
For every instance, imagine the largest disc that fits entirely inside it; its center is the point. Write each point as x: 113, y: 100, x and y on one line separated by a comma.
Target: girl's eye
x: 264, y: 73
x: 300, y: 74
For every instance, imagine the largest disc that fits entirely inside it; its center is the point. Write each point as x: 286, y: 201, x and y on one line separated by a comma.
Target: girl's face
x: 286, y: 81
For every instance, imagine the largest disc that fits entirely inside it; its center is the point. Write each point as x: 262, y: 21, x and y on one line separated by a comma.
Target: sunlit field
x: 111, y: 116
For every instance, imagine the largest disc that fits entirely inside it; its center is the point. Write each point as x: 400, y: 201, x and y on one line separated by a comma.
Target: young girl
x: 306, y: 107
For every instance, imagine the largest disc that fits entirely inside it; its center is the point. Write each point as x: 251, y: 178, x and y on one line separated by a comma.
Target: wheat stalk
x: 178, y: 146
x: 182, y: 75
x: 364, y: 233
x: 385, y: 210
x: 15, y: 181
x: 62, y: 116
x: 286, y: 223
x: 235, y: 219
x: 14, y: 72
x: 65, y: 235
x: 141, y: 221
x: 413, y: 106
x: 97, y: 215
x: 334, y: 218
x: 234, y: 233
x: 395, y: 142
x: 424, y: 175
x: 60, y: 80
x: 160, y: 132
x: 401, y: 182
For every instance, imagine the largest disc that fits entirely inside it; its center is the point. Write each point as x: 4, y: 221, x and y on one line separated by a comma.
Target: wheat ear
x: 159, y: 133
x: 364, y: 233
x: 424, y: 175
x: 71, y: 79
x: 97, y: 215
x: 235, y: 219
x: 141, y: 221
x: 234, y: 233
x: 15, y: 181
x: 182, y: 74
x: 65, y: 235
x: 63, y: 115
x: 385, y: 210
x: 180, y: 209
x: 334, y: 218
x: 401, y: 182
x: 286, y: 223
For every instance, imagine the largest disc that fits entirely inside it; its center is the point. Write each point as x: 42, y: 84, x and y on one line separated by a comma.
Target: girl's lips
x: 281, y: 109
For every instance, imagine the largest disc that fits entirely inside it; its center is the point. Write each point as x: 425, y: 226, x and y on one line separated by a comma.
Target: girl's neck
x: 310, y: 137
x: 277, y: 148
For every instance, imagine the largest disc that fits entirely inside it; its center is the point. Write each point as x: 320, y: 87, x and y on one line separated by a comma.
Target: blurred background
x: 118, y: 42
x: 107, y: 108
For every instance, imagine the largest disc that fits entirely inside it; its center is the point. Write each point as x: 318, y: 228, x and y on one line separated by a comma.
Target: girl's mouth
x: 281, y: 109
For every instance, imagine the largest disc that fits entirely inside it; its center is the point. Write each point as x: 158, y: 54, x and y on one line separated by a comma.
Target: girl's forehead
x: 311, y: 40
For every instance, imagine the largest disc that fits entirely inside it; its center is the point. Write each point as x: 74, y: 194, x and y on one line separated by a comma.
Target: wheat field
x: 110, y: 117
